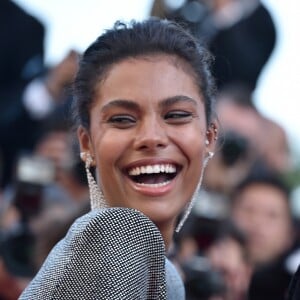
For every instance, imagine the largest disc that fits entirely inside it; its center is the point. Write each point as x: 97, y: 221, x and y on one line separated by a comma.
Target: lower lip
x: 153, y: 191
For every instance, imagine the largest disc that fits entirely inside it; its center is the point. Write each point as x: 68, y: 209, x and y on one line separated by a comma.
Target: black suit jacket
x: 21, y: 59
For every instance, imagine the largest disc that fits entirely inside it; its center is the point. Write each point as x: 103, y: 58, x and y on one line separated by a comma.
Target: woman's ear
x: 84, y: 140
x: 211, y: 137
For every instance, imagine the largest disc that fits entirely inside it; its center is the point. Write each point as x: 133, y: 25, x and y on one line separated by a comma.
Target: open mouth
x: 153, y: 175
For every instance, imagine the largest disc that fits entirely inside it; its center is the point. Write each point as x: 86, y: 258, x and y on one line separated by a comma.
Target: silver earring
x: 96, y: 196
x: 207, y: 158
x: 195, y: 196
x: 190, y: 205
x: 207, y: 142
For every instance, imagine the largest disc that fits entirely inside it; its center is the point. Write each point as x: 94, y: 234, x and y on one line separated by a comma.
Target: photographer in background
x: 228, y: 255
x: 49, y: 186
x: 261, y: 209
x: 240, y: 33
x: 213, y: 258
x: 21, y: 60
x: 247, y: 140
x: 232, y: 162
x: 266, y: 139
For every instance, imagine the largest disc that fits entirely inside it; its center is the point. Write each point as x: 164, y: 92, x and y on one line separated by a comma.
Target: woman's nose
x: 151, y: 135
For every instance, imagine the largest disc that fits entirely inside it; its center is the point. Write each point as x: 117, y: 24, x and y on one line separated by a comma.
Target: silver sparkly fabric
x: 114, y: 253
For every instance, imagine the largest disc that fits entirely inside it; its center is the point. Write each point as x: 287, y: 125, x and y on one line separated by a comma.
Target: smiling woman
x: 155, y: 125
x: 143, y: 108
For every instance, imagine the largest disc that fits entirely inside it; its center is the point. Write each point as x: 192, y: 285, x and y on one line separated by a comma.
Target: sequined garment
x: 114, y: 253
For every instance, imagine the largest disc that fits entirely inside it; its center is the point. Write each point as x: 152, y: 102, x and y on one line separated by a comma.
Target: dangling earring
x: 96, y: 196
x: 207, y: 158
x: 195, y: 195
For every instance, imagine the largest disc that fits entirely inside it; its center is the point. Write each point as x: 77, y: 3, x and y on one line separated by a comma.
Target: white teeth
x: 156, y: 169
x: 155, y: 185
x: 152, y: 169
x: 149, y: 170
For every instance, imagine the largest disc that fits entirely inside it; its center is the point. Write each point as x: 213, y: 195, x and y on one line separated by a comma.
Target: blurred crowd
x: 242, y: 239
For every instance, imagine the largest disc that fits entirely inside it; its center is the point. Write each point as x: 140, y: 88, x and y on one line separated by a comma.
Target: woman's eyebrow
x: 177, y: 99
x: 131, y: 105
x: 122, y: 103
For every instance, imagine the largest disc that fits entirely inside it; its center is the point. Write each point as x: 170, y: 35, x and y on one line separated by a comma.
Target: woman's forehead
x: 158, y: 65
x: 152, y: 76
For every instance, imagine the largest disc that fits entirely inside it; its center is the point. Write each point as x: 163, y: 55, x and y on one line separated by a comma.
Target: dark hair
x: 262, y: 177
x: 238, y: 93
x: 228, y: 229
x: 149, y: 37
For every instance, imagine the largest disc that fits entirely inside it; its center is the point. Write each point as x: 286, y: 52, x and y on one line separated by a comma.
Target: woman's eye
x: 178, y: 116
x: 122, y: 121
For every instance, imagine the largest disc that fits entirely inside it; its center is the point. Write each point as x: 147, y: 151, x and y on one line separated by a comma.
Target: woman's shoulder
x: 175, y: 287
x: 107, y: 254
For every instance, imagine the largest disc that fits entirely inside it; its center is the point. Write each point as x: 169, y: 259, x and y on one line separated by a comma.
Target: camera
x: 32, y: 174
x: 234, y: 147
x: 201, y: 281
x: 17, y: 244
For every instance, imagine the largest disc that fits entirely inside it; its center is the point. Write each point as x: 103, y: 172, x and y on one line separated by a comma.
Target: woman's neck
x: 167, y: 231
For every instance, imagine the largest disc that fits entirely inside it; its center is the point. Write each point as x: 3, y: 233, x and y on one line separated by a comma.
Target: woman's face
x: 147, y: 136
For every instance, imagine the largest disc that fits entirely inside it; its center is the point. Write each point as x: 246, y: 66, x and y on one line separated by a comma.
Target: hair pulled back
x: 136, y: 39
